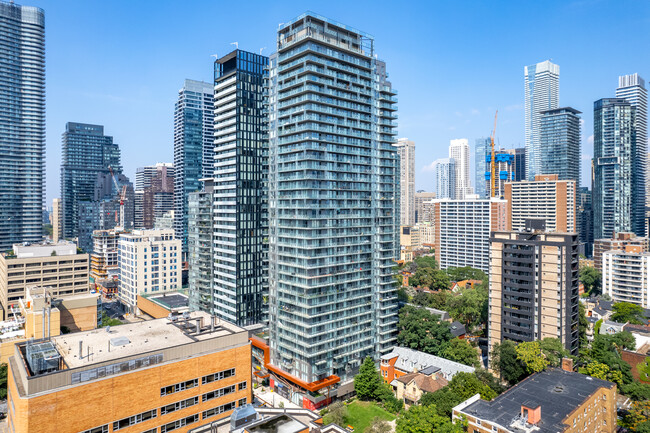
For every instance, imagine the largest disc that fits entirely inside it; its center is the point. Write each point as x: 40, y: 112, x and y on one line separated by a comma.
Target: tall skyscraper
x: 86, y: 153
x: 585, y: 221
x: 193, y: 147
x: 528, y: 305
x: 560, y: 143
x: 519, y: 170
x: 239, y: 208
x: 22, y: 129
x: 632, y: 89
x: 154, y: 193
x: 333, y: 205
x: 482, y: 147
x: 406, y: 151
x: 617, y: 207
x: 459, y: 152
x: 445, y: 169
x: 56, y: 220
x: 542, y: 92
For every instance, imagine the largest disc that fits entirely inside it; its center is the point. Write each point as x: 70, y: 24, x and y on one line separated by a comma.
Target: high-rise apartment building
x: 22, y: 129
x: 619, y: 187
x: 333, y: 204
x: 626, y: 275
x: 482, y: 148
x: 542, y: 92
x: 560, y: 143
x: 149, y: 262
x: 104, y: 259
x: 533, y: 286
x: 86, y: 154
x: 193, y: 147
x: 619, y: 242
x: 462, y: 230
x: 421, y: 198
x: 445, y: 169
x: 519, y: 162
x: 239, y: 209
x: 544, y: 198
x: 585, y: 221
x: 154, y: 193
x: 56, y: 220
x: 459, y: 152
x: 406, y: 151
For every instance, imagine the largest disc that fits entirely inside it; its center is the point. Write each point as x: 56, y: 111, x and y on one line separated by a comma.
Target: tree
x: 606, y: 349
x: 530, y: 354
x: 470, y: 307
x: 3, y: 381
x: 440, y: 280
x: 461, y: 387
x: 337, y: 413
x: 637, y: 391
x: 488, y: 379
x: 426, y: 262
x: 504, y: 358
x: 553, y: 350
x: 378, y: 425
x: 591, y: 278
x: 583, y: 324
x: 425, y: 419
x: 638, y: 414
x: 420, y: 330
x: 466, y: 273
x: 626, y: 312
x: 602, y: 371
x: 461, y: 351
x: 368, y: 381
x: 402, y: 296
x: 422, y: 299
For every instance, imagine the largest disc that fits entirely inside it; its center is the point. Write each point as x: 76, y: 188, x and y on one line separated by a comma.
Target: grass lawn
x: 361, y: 413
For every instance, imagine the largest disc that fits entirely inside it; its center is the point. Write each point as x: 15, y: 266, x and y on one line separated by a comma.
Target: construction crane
x: 492, y: 158
x: 122, y: 196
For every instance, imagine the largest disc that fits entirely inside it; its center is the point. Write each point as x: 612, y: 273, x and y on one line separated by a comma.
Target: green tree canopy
x: 466, y: 273
x: 625, y: 312
x: 368, y: 382
x: 462, y: 351
x: 425, y: 419
x: 426, y: 262
x: 553, y: 351
x: 420, y: 330
x: 470, y: 307
x: 591, y: 278
x: 461, y: 387
x: 637, y: 391
x: 504, y: 359
x: 530, y: 354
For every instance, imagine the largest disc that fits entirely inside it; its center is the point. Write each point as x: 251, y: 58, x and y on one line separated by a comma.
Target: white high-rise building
x: 459, y: 152
x: 445, y: 169
x: 406, y: 151
x: 542, y: 92
x: 626, y: 276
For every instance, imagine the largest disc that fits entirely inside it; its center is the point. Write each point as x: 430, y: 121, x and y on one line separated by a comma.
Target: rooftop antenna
x: 236, y: 44
x: 262, y: 49
x: 216, y: 56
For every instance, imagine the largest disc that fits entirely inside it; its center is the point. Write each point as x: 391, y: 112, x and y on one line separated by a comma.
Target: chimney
x: 531, y: 412
x: 567, y: 364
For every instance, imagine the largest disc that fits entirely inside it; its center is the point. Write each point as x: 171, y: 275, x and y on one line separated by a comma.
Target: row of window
x: 177, y: 387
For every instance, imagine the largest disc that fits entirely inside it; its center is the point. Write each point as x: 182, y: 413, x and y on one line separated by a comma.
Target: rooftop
x: 105, y: 344
x: 171, y: 300
x: 410, y: 360
x: 277, y: 424
x: 558, y: 392
x: 45, y: 249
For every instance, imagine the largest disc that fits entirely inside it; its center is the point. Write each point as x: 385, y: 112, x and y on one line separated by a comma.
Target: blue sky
x: 121, y: 63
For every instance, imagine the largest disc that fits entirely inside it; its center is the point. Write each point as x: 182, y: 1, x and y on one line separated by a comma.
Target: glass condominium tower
x: 232, y: 283
x: 560, y: 143
x: 542, y: 92
x: 334, y: 209
x: 22, y: 123
x: 193, y: 147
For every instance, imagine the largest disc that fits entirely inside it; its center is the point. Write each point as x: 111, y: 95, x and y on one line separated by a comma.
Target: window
x: 217, y: 410
x: 218, y: 393
x: 242, y: 402
x: 135, y: 419
x: 171, y: 389
x: 102, y: 429
x: 217, y: 376
x: 179, y: 423
x: 242, y: 385
x: 179, y: 405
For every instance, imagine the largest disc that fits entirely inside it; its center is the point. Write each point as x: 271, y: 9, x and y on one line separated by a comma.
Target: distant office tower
x: 525, y: 303
x: 86, y: 153
x: 154, y: 193
x: 332, y: 298
x: 632, y: 89
x: 618, y: 198
x: 462, y: 231
x: 239, y: 203
x: 56, y: 220
x: 421, y: 197
x: 542, y: 92
x: 560, y: 143
x: 161, y: 250
x: 482, y: 149
x: 621, y: 242
x: 406, y: 152
x: 545, y: 198
x: 22, y: 128
x: 193, y: 147
x: 445, y: 178
x: 459, y: 152
x: 519, y: 170
x: 585, y: 221
x: 626, y: 275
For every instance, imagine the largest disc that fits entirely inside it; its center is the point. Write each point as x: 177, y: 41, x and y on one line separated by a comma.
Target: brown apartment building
x: 623, y: 241
x: 544, y: 198
x: 153, y: 376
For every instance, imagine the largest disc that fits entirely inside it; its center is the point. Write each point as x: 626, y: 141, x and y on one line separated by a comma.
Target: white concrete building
x: 459, y: 152
x: 406, y: 151
x: 626, y: 276
x: 149, y: 262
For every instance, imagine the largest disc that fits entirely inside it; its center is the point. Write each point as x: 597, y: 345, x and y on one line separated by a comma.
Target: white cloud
x: 590, y: 139
x: 430, y: 167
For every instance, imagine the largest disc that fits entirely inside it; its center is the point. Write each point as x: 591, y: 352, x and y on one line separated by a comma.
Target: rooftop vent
x: 120, y: 341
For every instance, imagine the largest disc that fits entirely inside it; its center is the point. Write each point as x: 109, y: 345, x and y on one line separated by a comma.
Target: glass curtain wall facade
x: 22, y: 129
x: 445, y: 178
x: 560, y: 143
x: 333, y: 201
x: 86, y: 154
x: 542, y: 92
x: 482, y: 147
x: 614, y: 156
x: 193, y: 147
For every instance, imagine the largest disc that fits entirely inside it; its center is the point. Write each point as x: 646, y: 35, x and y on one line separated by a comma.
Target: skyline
x: 448, y: 88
